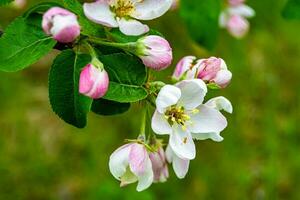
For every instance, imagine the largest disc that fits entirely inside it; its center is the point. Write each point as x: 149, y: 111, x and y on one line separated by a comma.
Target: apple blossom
x: 61, y: 24
x: 234, y: 19
x: 159, y: 165
x: 94, y: 81
x: 155, y: 52
x: 126, y: 13
x: 214, y: 70
x: 186, y: 68
x: 180, y: 166
x: 131, y: 163
x: 181, y: 114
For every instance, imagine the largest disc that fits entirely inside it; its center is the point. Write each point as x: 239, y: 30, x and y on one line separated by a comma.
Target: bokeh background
x: 41, y: 157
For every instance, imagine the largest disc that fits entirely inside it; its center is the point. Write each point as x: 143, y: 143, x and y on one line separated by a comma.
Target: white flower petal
x: 100, y: 13
x: 168, y: 96
x: 220, y: 103
x: 118, y: 161
x: 180, y: 166
x: 182, y: 143
x: 242, y: 10
x: 207, y: 120
x: 192, y: 93
x: 204, y: 136
x: 160, y: 124
x: 151, y: 9
x: 132, y: 27
x: 145, y: 180
x: 169, y: 154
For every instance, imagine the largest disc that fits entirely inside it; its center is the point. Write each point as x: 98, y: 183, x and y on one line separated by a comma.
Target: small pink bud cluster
x: 212, y: 70
x: 61, y: 24
x: 234, y: 18
x: 155, y: 52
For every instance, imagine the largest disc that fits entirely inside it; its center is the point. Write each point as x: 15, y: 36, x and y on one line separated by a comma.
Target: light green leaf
x: 201, y: 19
x: 23, y: 43
x: 64, y: 95
x: 127, y: 76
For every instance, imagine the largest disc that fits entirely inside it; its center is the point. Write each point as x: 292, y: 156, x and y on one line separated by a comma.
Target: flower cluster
x: 234, y: 18
x: 182, y: 114
x: 180, y: 109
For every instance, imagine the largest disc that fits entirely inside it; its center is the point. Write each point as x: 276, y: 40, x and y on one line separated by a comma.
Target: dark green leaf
x: 87, y: 27
x: 106, y: 107
x: 64, y: 95
x: 201, y: 19
x: 292, y: 10
x: 23, y: 43
x: 4, y: 2
x: 127, y: 76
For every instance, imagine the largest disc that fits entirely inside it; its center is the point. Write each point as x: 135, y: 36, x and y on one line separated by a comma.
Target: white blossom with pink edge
x: 126, y: 13
x: 61, y: 24
x: 181, y: 114
x: 234, y: 19
x: 131, y: 163
x: 159, y: 165
x: 155, y: 52
x: 93, y: 81
x: 180, y: 166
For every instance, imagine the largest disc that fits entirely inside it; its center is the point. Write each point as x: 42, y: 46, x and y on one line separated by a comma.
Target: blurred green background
x: 41, y: 157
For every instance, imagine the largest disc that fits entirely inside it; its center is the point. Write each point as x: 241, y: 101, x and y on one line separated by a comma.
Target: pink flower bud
x: 238, y: 26
x: 159, y: 165
x: 155, y: 52
x: 93, y: 82
x: 186, y: 68
x: 214, y: 70
x: 61, y: 24
x: 235, y: 2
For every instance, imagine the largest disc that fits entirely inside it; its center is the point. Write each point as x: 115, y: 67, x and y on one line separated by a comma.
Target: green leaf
x: 23, y: 43
x: 201, y: 19
x: 64, y: 95
x: 107, y: 108
x: 291, y: 10
x: 127, y: 76
x: 88, y: 27
x: 4, y: 2
x: 40, y: 8
x: 118, y: 36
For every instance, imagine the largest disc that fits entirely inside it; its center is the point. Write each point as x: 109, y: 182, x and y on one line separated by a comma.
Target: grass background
x: 43, y: 158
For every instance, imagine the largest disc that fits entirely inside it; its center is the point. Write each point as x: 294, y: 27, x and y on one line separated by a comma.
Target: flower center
x: 123, y: 8
x: 176, y: 115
